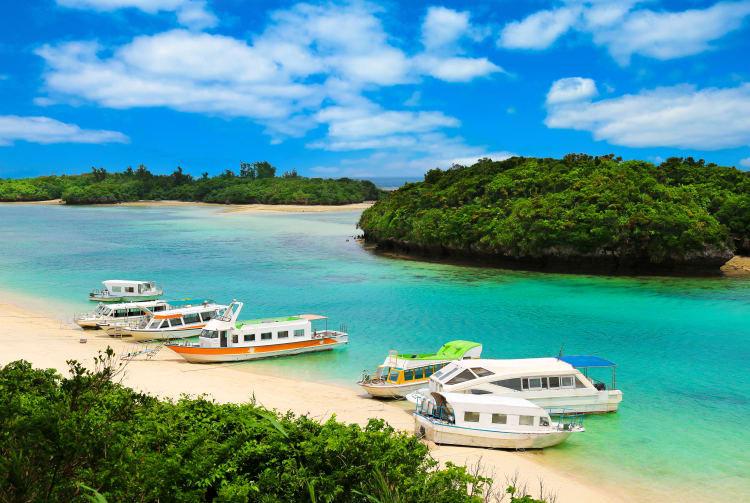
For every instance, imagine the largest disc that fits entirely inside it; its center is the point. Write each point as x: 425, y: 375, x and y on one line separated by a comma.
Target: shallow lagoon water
x: 682, y: 344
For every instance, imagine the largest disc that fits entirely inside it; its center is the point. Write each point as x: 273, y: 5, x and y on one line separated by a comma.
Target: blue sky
x: 367, y: 89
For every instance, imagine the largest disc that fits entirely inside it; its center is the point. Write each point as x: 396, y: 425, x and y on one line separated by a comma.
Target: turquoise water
x: 682, y: 345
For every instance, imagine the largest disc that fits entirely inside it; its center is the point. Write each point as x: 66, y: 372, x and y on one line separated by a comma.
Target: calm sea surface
x: 682, y: 345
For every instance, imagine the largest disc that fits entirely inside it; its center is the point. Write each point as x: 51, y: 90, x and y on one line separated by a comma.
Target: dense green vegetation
x: 60, y: 436
x: 579, y: 211
x: 256, y: 183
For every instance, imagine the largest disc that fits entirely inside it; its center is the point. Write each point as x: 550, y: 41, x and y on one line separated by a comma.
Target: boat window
x: 234, y: 338
x: 106, y: 312
x: 535, y: 383
x: 580, y: 383
x: 265, y: 336
x: 566, y: 382
x: 207, y: 315
x: 130, y: 289
x: 393, y: 377
x: 283, y: 334
x: 134, y: 312
x: 98, y: 310
x: 191, y: 318
x: 544, y: 382
x: 500, y: 418
x: 464, y: 376
x: 299, y: 333
x: 249, y: 337
x: 428, y: 371
x: 514, y: 384
x: 164, y: 324
x: 382, y: 372
x: 445, y: 374
x: 471, y: 417
x: 121, y: 313
x: 526, y: 420
x: 543, y: 421
x: 116, y: 289
x: 175, y: 322
x: 480, y: 372
x: 408, y: 375
x: 160, y: 308
x: 479, y: 392
x: 209, y: 334
x: 554, y: 382
x: 419, y: 373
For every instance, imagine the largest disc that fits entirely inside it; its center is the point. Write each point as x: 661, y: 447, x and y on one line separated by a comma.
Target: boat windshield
x: 209, y: 334
x: 106, y: 311
x: 382, y: 372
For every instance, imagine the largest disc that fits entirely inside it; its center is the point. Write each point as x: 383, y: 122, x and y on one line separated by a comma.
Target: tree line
x: 256, y: 183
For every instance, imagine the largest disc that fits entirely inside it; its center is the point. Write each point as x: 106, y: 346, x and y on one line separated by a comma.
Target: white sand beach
x: 48, y: 343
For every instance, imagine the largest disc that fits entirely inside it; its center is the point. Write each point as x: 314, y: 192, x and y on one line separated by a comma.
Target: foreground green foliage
x: 87, y: 438
x: 602, y: 209
x: 257, y: 183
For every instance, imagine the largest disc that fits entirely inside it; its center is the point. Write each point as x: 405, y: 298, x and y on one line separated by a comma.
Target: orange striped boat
x: 224, y: 339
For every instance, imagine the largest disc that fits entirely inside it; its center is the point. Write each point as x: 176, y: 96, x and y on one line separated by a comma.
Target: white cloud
x: 745, y: 163
x: 191, y: 13
x: 624, y: 29
x: 45, y: 130
x: 571, y: 89
x: 680, y: 116
x: 538, y: 30
x: 443, y: 27
x: 471, y: 160
x: 310, y: 62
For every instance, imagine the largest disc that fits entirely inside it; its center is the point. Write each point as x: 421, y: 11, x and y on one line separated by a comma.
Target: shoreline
x: 226, y: 208
x: 48, y: 343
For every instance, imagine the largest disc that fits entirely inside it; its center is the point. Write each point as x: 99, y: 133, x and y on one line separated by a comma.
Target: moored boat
x: 117, y: 290
x: 124, y: 313
x: 490, y: 421
x: 175, y: 323
x: 562, y: 382
x: 401, y: 374
x: 224, y: 339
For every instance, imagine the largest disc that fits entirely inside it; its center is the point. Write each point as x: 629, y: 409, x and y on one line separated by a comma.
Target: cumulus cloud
x: 679, y: 116
x: 191, y: 13
x: 745, y: 163
x: 571, y: 89
x: 45, y: 130
x: 310, y: 63
x: 626, y: 29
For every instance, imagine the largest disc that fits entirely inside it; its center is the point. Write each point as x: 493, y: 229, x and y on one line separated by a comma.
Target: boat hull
x: 110, y: 300
x: 592, y: 403
x: 137, y: 334
x: 458, y: 435
x: 386, y: 390
x: 234, y: 354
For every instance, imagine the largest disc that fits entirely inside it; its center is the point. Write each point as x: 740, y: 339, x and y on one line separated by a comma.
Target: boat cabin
x: 484, y: 412
x: 126, y: 288
x: 260, y: 332
x: 409, y: 367
x: 179, y: 317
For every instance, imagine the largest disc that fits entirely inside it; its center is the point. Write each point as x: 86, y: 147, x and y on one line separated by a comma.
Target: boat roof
x: 189, y: 302
x: 491, y: 403
x: 133, y: 305
x: 452, y: 350
x: 173, y: 313
x: 124, y: 282
x: 500, y: 366
x: 586, y: 361
x: 312, y: 317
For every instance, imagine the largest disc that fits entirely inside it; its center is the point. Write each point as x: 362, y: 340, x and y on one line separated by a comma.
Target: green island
x: 88, y: 438
x: 576, y: 214
x: 256, y: 183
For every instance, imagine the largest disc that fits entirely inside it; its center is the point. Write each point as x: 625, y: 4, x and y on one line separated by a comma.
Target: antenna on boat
x: 561, y: 349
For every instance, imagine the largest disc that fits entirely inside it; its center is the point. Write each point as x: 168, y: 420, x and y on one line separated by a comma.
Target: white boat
x: 225, y: 339
x: 176, y: 323
x: 551, y: 383
x: 490, y: 421
x: 401, y: 374
x: 128, y: 313
x: 117, y: 290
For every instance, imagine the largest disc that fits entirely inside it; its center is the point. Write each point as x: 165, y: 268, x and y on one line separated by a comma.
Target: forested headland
x: 255, y: 183
x: 578, y: 213
x: 87, y: 438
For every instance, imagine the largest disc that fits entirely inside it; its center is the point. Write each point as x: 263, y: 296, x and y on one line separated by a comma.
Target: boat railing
x: 326, y: 334
x: 428, y: 409
x: 566, y: 418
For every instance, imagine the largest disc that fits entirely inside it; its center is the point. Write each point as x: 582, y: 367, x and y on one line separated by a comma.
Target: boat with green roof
x: 400, y: 374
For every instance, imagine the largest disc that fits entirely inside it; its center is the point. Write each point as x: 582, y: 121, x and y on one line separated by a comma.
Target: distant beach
x: 48, y: 343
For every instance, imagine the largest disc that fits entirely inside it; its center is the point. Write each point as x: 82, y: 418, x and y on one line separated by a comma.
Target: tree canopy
x: 582, y: 211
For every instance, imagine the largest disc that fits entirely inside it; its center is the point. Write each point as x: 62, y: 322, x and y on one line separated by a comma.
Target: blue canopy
x: 586, y: 361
